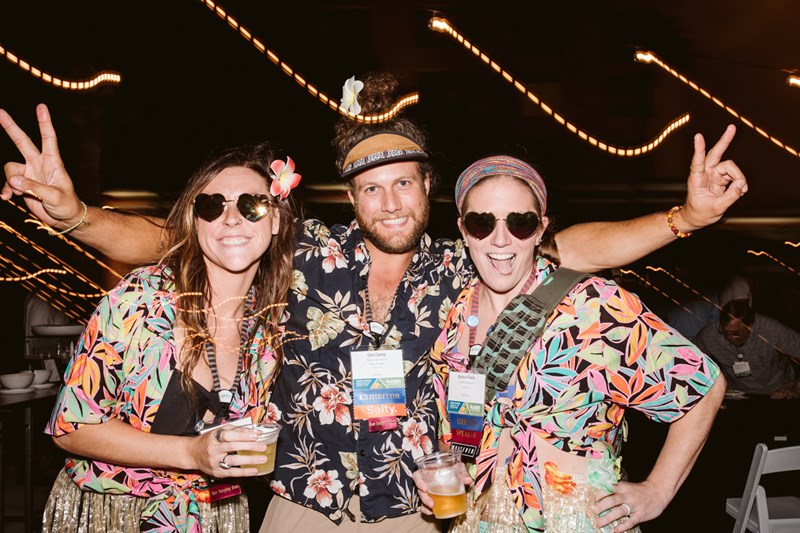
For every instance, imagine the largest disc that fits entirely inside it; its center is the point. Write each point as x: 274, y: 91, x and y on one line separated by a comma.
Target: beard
x: 396, y: 244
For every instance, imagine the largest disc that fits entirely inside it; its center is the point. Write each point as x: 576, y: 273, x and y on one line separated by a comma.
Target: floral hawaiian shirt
x: 121, y: 369
x: 602, y: 351
x: 324, y: 455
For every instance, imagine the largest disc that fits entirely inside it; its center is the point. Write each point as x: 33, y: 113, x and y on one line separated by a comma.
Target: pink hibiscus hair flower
x: 284, y: 178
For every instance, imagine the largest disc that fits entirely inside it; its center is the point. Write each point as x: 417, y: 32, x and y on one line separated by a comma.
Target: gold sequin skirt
x: 492, y: 512
x: 69, y: 508
x: 574, y: 512
x: 495, y: 511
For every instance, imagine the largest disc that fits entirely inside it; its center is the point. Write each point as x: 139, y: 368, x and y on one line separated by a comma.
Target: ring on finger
x: 224, y: 464
x: 627, y: 509
x: 218, y: 435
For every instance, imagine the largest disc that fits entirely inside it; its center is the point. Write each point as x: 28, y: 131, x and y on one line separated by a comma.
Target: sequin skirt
x: 496, y: 512
x: 69, y: 508
x: 492, y: 512
x: 574, y: 512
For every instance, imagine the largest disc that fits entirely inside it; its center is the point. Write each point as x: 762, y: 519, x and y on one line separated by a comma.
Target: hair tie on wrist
x: 81, y: 221
x: 678, y: 233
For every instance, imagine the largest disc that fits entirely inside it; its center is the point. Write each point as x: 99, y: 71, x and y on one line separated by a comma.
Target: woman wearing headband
x: 548, y: 452
x: 174, y: 348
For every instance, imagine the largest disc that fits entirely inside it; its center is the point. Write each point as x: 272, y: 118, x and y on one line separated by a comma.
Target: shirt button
x: 362, y: 453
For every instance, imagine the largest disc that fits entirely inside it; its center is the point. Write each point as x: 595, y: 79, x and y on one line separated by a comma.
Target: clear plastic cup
x: 442, y: 472
x: 267, y: 433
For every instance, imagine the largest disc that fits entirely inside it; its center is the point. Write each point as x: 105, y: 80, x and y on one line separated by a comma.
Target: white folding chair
x: 754, y: 511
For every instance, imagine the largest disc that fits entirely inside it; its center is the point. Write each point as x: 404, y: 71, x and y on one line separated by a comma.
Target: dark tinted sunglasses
x: 252, y: 207
x: 520, y: 225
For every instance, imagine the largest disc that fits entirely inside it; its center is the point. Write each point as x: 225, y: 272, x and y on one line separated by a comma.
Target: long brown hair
x: 185, y: 258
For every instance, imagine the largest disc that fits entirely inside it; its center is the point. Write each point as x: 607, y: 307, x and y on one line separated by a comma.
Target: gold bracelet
x: 81, y: 221
x: 678, y: 233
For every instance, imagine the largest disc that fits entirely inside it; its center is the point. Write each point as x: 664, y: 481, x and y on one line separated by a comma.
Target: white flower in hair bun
x: 350, y: 95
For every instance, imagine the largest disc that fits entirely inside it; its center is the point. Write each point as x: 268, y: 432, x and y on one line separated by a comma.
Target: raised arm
x: 49, y: 194
x: 713, y: 186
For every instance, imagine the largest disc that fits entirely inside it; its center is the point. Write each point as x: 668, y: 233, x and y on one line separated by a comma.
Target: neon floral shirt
x: 124, y: 361
x: 602, y: 351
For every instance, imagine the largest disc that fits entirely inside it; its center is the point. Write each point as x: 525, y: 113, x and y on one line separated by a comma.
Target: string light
x: 662, y: 293
x: 41, y: 225
x: 650, y: 57
x: 443, y: 26
x: 47, y: 254
x: 403, y: 102
x: 105, y: 77
x: 679, y: 282
x: 793, y: 81
x: 35, y: 274
x: 72, y: 309
x: 792, y: 244
x: 781, y: 263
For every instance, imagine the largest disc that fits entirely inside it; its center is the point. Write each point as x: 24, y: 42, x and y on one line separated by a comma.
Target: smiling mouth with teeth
x: 501, y: 257
x: 394, y: 221
x: 232, y: 241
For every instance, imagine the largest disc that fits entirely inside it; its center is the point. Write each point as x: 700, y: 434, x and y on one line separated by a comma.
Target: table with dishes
x: 23, y: 392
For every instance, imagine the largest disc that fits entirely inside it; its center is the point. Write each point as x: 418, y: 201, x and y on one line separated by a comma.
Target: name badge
x: 465, y: 393
x: 379, y: 387
x: 741, y: 369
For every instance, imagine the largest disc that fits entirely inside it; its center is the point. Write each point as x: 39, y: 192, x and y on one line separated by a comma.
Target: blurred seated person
x: 752, y: 350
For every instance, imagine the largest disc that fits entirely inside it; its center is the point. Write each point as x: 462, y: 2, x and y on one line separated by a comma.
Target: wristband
x: 81, y: 221
x: 678, y: 233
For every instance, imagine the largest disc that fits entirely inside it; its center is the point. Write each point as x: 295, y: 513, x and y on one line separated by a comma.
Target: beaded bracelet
x: 81, y: 221
x: 678, y: 233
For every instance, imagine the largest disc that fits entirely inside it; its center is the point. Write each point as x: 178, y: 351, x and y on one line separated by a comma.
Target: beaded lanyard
x: 376, y: 328
x: 245, y: 331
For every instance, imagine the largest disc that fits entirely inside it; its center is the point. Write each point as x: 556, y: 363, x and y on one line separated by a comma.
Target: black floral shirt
x: 324, y: 455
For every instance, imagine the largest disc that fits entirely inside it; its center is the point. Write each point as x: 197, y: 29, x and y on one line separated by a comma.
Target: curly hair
x: 380, y: 93
x: 186, y: 260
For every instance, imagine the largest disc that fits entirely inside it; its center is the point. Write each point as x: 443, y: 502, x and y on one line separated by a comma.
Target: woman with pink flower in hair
x: 187, y: 344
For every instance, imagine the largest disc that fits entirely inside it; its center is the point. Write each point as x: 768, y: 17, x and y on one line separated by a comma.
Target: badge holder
x: 741, y: 368
x: 465, y: 393
x: 379, y: 387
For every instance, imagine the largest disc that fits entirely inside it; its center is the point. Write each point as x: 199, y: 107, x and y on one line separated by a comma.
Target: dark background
x: 192, y: 84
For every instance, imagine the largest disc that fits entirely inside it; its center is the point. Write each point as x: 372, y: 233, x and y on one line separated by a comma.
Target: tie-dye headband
x: 501, y: 165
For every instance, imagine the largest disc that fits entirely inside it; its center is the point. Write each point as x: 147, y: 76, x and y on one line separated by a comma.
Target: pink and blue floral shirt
x: 602, y: 352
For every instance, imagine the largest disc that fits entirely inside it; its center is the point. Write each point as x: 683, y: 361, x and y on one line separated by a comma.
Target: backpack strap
x: 519, y: 325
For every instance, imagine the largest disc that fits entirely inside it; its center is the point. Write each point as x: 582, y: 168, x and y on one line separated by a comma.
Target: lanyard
x: 472, y: 318
x: 377, y: 329
x: 226, y: 395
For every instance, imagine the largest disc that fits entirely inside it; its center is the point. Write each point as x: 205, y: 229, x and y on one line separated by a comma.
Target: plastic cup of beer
x: 442, y: 472
x: 268, y: 434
